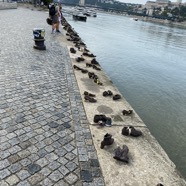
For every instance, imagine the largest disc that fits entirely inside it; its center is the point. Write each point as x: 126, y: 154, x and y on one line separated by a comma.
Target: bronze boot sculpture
x: 108, y: 140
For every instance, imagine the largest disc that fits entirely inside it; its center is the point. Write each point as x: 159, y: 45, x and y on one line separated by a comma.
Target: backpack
x: 52, y: 10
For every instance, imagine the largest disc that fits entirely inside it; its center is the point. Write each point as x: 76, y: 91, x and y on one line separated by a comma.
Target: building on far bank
x: 162, y: 1
x: 156, y: 4
x: 82, y: 2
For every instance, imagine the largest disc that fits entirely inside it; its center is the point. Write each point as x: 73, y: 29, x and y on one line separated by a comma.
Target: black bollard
x: 39, y: 34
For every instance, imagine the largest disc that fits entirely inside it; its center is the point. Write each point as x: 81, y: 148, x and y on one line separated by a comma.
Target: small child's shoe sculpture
x: 127, y: 112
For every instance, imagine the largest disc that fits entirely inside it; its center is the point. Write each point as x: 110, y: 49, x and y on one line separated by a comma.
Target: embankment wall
x: 5, y: 5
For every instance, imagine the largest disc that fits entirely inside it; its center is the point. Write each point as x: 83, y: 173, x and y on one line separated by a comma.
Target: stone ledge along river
x: 146, y: 61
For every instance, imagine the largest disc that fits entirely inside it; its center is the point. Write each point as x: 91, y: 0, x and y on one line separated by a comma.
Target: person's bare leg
x: 57, y: 27
x: 53, y: 27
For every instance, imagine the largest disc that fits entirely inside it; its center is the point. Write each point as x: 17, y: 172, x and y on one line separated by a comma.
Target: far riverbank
x: 153, y: 20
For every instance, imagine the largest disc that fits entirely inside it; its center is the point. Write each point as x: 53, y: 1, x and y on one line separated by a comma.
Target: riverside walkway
x: 47, y: 136
x: 44, y: 136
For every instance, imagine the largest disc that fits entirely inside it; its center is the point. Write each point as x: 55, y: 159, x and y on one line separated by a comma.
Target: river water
x: 147, y: 63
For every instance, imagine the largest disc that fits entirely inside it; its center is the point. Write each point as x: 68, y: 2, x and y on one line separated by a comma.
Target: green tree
x: 164, y: 13
x: 175, y: 11
x: 46, y: 2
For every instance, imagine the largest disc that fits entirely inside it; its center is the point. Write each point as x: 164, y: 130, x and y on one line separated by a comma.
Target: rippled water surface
x: 147, y: 62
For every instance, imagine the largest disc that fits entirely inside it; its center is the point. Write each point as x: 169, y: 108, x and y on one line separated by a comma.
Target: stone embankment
x: 163, y: 21
x: 148, y: 163
x: 5, y: 5
x: 153, y: 20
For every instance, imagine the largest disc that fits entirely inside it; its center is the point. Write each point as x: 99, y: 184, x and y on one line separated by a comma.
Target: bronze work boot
x: 108, y: 140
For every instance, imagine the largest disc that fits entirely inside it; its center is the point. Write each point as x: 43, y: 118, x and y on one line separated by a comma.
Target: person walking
x: 58, y: 13
x: 54, y: 15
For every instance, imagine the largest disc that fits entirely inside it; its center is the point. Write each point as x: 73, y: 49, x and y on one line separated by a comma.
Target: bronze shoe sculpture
x: 108, y: 140
x: 95, y: 67
x: 107, y: 93
x: 131, y: 131
x: 77, y: 68
x: 100, y: 117
x: 89, y: 94
x: 84, y: 71
x: 121, y: 154
x: 116, y: 97
x: 94, y: 62
x: 88, y: 65
x: 127, y: 112
x: 79, y: 59
x: 90, y: 99
x: 72, y: 50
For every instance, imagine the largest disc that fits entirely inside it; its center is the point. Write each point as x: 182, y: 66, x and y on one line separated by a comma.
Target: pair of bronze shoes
x: 89, y: 94
x: 94, y: 62
x: 103, y: 120
x: 127, y: 112
x: 88, y: 54
x: 109, y: 93
x: 84, y: 71
x: 120, y: 154
x: 97, y: 81
x: 93, y: 66
x: 116, y: 97
x: 131, y: 131
x: 91, y: 75
x: 72, y: 50
x: 79, y: 59
x: 89, y: 97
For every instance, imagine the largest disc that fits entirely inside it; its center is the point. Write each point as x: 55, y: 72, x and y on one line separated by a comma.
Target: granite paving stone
x: 33, y: 168
x: 42, y: 162
x: 54, y: 165
x: 12, y: 180
x: 44, y: 133
x: 86, y: 176
x: 23, y: 174
x: 61, y: 182
x: 47, y: 182
x: 71, y: 178
x: 4, y: 163
x: 3, y: 183
x: 45, y: 171
x: 62, y: 160
x: 35, y: 179
x: 15, y: 167
x: 4, y: 173
x: 23, y: 183
x: 70, y: 156
x: 56, y: 176
x: 4, y: 154
x: 14, y: 158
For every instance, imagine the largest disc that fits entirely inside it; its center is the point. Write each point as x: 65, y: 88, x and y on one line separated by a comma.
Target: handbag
x: 49, y: 21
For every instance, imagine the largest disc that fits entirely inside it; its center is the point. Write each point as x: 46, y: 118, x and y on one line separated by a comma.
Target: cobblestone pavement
x: 44, y: 135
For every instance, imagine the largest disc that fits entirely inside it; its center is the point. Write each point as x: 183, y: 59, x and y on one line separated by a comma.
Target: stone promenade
x: 44, y: 135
